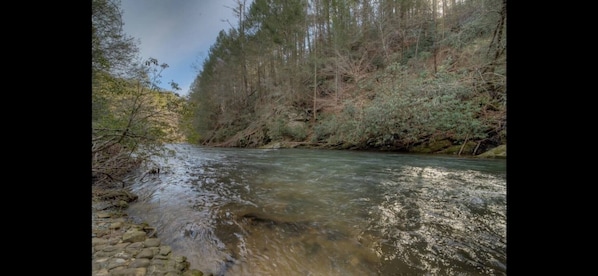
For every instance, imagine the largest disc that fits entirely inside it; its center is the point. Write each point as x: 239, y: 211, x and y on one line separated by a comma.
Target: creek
x: 235, y: 211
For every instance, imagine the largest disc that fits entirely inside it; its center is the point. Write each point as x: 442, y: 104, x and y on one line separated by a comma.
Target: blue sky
x: 178, y: 33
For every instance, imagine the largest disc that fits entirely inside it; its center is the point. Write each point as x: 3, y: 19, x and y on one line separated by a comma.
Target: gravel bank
x: 121, y: 247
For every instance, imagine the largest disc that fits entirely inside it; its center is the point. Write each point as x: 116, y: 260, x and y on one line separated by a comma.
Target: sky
x: 178, y: 33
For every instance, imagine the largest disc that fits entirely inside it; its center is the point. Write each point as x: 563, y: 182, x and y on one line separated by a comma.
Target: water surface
x: 324, y: 212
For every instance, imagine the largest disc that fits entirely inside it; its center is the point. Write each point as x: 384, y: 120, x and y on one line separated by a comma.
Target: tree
x: 136, y: 118
x: 131, y: 116
x: 111, y: 49
x: 373, y: 73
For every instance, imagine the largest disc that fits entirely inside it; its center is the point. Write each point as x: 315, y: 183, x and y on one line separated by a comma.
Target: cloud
x: 177, y: 32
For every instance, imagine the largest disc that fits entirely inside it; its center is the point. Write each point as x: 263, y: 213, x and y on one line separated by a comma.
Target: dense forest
x: 401, y: 75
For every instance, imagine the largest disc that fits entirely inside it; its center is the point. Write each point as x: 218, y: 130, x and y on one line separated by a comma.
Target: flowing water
x: 324, y: 212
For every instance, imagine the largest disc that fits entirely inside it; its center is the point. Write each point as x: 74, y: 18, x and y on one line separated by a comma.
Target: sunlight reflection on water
x: 309, y: 212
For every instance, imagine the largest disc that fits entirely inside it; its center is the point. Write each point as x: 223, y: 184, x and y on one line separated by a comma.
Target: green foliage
x: 375, y: 85
x: 297, y: 131
x: 276, y: 19
x: 425, y: 107
x: 456, y: 118
x: 275, y: 129
x: 326, y: 127
x: 111, y: 49
x: 424, y: 55
x: 344, y: 128
x: 279, y: 129
x: 187, y: 124
x: 471, y: 21
x: 131, y: 116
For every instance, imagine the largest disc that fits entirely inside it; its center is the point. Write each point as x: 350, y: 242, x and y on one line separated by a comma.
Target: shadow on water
x: 310, y: 212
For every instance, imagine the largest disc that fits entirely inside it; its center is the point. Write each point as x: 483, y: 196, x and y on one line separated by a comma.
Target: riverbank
x: 499, y: 152
x: 122, y: 247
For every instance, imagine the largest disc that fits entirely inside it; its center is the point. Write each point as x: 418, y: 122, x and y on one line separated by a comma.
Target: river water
x: 327, y: 212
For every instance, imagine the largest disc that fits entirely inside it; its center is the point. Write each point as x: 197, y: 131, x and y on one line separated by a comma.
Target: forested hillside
x: 404, y: 75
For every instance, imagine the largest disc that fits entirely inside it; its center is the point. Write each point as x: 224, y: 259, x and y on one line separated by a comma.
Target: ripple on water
x: 295, y: 212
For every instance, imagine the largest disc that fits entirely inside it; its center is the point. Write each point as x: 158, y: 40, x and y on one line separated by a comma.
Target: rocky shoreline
x: 122, y: 247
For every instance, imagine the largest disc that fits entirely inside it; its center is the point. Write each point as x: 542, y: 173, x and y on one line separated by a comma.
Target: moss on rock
x: 431, y: 147
x: 497, y: 152
x: 455, y: 149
